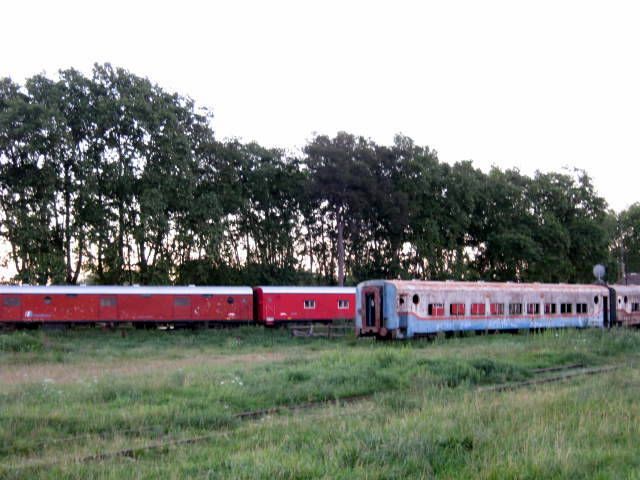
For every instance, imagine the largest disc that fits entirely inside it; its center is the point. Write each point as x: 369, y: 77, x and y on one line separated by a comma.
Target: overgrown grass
x: 423, y: 418
x: 97, y: 344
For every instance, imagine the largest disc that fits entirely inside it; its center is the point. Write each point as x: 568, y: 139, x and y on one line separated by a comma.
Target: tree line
x: 108, y: 178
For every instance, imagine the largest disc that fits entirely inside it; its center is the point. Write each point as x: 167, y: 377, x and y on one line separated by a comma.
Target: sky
x: 534, y: 85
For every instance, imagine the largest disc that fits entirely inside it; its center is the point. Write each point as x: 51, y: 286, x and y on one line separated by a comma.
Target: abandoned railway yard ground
x: 254, y: 403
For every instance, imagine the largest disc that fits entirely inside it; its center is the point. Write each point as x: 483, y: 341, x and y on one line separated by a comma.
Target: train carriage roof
x: 309, y: 290
x: 626, y: 289
x: 121, y: 290
x: 419, y: 285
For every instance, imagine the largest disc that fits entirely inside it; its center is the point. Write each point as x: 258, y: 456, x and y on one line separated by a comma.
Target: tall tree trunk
x: 67, y: 222
x: 121, y: 259
x: 340, y: 221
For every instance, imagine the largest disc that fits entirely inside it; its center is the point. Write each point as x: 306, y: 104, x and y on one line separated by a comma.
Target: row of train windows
x: 458, y: 309
x: 311, y: 304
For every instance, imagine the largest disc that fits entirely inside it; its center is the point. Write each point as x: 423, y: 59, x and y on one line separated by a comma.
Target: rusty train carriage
x: 628, y: 305
x: 402, y: 309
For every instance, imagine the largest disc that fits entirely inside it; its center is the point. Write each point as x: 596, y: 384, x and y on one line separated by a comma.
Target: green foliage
x: 114, y: 178
x: 21, y: 342
x: 629, y: 237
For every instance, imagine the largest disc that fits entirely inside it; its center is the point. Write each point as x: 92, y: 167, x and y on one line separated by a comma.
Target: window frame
x: 478, y: 309
x: 106, y: 302
x: 496, y: 309
x: 11, y: 301
x: 435, y: 309
x: 309, y: 304
x: 515, y: 309
x: 566, y: 309
x: 457, y: 309
x: 181, y: 301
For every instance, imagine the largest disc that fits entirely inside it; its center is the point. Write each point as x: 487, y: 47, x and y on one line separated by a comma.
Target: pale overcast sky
x: 533, y: 85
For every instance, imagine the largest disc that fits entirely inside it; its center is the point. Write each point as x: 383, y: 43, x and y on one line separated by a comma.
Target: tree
x: 629, y: 238
x: 28, y: 186
x: 340, y: 183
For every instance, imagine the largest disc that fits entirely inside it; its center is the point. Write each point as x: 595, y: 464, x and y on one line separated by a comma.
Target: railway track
x: 571, y: 373
x: 561, y: 373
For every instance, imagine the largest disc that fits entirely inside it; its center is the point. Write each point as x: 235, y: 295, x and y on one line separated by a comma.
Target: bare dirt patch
x: 68, y: 373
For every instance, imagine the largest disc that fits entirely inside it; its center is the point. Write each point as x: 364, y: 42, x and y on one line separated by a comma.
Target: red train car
x: 24, y: 305
x: 277, y: 305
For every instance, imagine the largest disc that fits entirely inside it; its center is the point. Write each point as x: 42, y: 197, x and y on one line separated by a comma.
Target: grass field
x: 154, y: 404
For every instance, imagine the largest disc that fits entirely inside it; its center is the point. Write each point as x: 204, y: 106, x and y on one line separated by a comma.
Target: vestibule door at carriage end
x: 371, y: 309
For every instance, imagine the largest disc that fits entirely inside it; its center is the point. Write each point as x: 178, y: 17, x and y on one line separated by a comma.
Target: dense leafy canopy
x: 111, y: 179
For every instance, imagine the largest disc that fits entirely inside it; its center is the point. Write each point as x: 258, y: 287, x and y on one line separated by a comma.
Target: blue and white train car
x: 403, y: 309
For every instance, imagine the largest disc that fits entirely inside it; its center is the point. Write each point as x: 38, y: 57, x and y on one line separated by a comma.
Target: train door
x: 372, y: 310
x: 232, y: 308
x: 181, y: 307
x: 613, y: 314
x: 270, y: 310
x: 605, y: 312
x: 108, y: 308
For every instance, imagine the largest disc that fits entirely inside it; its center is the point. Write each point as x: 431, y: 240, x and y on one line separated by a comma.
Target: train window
x: 566, y: 308
x: 309, y: 304
x: 11, y: 301
x: 595, y: 299
x: 550, y: 308
x: 477, y: 309
x: 416, y: 299
x: 343, y: 304
x: 402, y: 299
x: 456, y: 309
x: 635, y: 307
x: 496, y: 308
x: 436, y: 309
x: 47, y: 300
x: 533, y: 309
x: 515, y: 309
x: 108, y: 302
x: 581, y: 308
x: 181, y: 301
x: 230, y: 300
x: 626, y: 299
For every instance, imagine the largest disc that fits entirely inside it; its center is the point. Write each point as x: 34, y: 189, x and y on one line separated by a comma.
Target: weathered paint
x: 626, y: 297
x: 125, y: 304
x: 287, y: 304
x: 406, y: 306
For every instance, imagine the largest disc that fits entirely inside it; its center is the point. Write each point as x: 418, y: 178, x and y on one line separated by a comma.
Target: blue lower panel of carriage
x: 417, y: 325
